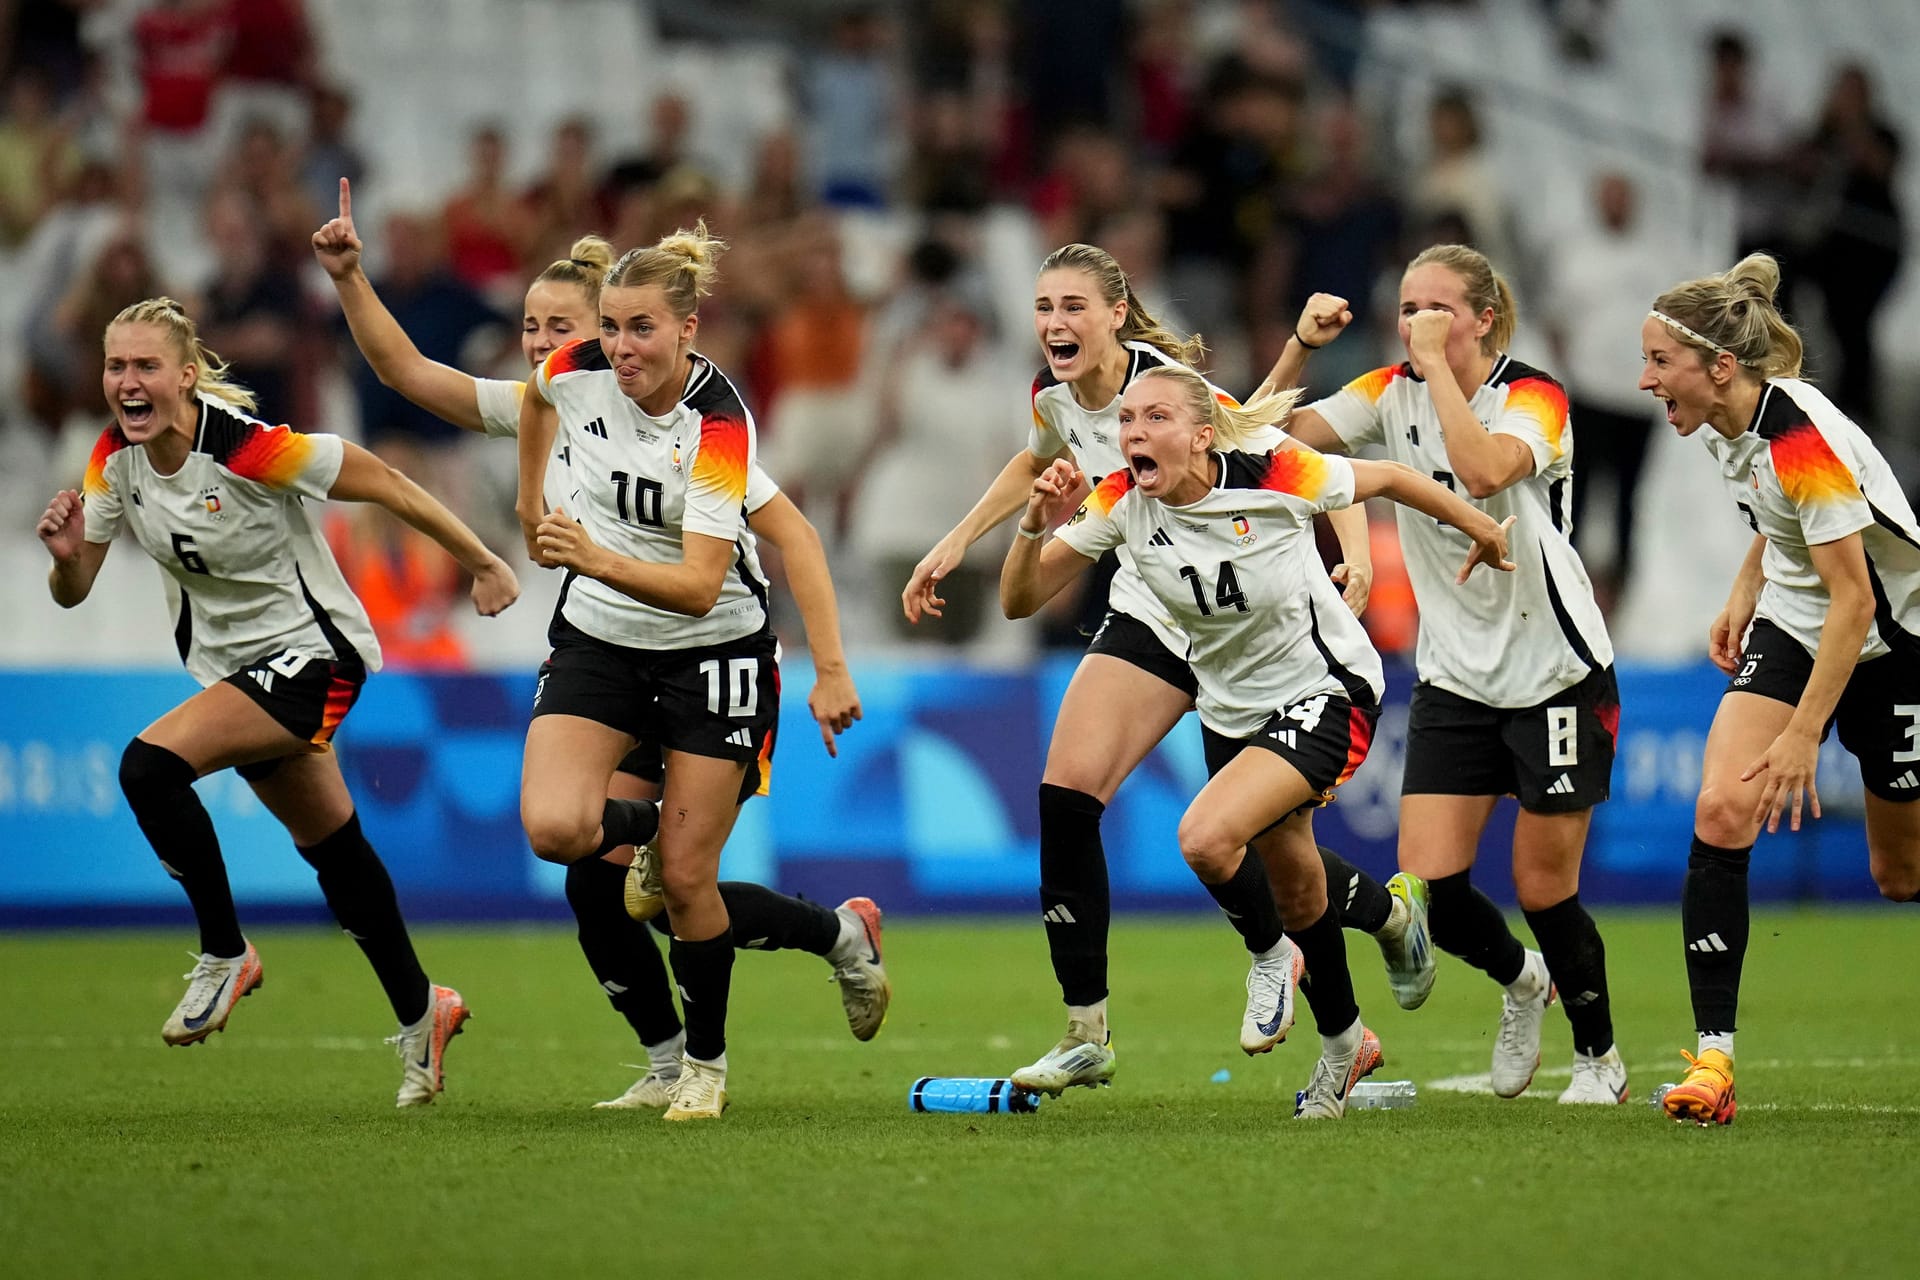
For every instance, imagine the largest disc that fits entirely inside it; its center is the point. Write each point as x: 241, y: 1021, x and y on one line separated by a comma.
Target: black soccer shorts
x: 1555, y: 756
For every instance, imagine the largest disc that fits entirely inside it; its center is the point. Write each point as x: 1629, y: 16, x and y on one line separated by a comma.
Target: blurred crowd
x: 873, y: 305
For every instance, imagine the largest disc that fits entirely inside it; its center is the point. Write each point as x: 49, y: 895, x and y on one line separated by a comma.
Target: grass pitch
x: 275, y: 1151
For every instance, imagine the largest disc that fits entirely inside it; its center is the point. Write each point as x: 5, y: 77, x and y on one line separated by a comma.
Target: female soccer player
x: 1133, y: 685
x: 562, y: 304
x: 1223, y: 542
x: 1820, y: 628
x: 1516, y: 694
x: 264, y: 621
x: 662, y: 635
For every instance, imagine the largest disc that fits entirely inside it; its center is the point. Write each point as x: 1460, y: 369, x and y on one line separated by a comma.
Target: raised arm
x: 834, y: 702
x: 365, y: 478
x: 1324, y: 318
x: 1034, y: 574
x: 76, y: 562
x: 1007, y: 494
x: 440, y: 389
x: 1483, y: 462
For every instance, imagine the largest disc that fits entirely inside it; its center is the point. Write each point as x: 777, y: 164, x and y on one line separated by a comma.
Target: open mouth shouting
x: 1146, y: 471
x: 135, y: 412
x: 1062, y: 354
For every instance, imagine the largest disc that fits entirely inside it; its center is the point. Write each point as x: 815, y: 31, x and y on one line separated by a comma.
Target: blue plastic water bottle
x: 957, y: 1093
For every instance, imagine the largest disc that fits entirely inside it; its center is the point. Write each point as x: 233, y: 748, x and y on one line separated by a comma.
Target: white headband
x: 1700, y: 338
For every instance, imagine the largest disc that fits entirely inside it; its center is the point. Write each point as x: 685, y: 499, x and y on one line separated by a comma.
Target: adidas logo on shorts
x: 1562, y: 786
x: 740, y: 738
x: 1906, y: 781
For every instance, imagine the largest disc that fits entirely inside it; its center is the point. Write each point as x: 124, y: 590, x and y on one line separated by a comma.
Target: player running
x: 267, y: 625
x: 1134, y: 684
x: 1821, y: 628
x: 1222, y: 539
x: 609, y: 899
x: 1516, y: 693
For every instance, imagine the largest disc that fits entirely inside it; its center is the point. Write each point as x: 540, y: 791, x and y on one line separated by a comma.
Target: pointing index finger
x: 346, y: 199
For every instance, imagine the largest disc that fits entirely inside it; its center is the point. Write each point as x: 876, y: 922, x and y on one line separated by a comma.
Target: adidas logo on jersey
x: 1709, y: 943
x: 1073, y: 437
x: 1160, y: 538
x: 1562, y: 786
x: 1906, y: 781
x: 1058, y: 915
x: 598, y: 427
x: 740, y: 738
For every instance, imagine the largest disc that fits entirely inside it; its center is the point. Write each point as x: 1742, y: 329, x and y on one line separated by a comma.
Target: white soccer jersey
x: 500, y: 417
x: 1061, y: 424
x: 231, y: 528
x: 1803, y: 474
x: 637, y: 482
x: 1240, y: 574
x: 1503, y: 639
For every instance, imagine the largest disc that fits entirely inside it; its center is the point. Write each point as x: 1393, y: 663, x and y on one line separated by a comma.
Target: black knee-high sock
x: 1330, y: 994
x: 704, y: 971
x: 1247, y: 898
x: 360, y: 894
x: 1465, y: 923
x: 1074, y: 899
x: 1362, y: 901
x: 159, y: 787
x: 625, y: 822
x: 767, y: 921
x: 621, y: 951
x: 1577, y: 959
x: 1713, y: 918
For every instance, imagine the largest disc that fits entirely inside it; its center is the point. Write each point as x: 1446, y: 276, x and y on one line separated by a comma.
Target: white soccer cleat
x: 651, y: 1092
x: 646, y: 892
x: 423, y: 1048
x: 1516, y: 1048
x: 214, y: 986
x: 1077, y: 1060
x: 1411, y: 963
x: 865, y: 992
x: 1601, y: 1080
x: 700, y: 1093
x: 1272, y: 984
x: 1325, y: 1097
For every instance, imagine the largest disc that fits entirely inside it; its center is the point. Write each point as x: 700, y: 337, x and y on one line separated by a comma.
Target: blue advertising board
x: 930, y: 806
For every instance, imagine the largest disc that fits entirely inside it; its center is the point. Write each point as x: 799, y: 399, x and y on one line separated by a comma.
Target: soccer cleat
x: 423, y: 1049
x: 1409, y: 955
x: 700, y: 1093
x: 1599, y: 1080
x: 865, y: 992
x: 1077, y: 1060
x: 214, y: 986
x: 1325, y: 1097
x: 646, y: 893
x: 1271, y: 987
x: 1516, y: 1049
x: 1705, y: 1094
x: 651, y: 1092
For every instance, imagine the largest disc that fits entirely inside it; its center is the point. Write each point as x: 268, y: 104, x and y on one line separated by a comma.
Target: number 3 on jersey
x: 742, y: 686
x: 1226, y: 589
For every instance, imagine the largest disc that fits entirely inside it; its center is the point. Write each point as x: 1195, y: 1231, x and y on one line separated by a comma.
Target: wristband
x: 1311, y: 346
x: 1029, y: 534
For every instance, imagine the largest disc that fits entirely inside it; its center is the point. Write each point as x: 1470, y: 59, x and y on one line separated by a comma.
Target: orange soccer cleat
x: 1705, y: 1096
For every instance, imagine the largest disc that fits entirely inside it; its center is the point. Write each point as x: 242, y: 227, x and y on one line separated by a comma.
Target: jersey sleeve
x: 1818, y: 482
x: 567, y: 359
x: 717, y: 478
x: 499, y: 402
x: 100, y: 491
x: 1354, y: 410
x: 1536, y: 414
x: 1097, y: 526
x: 288, y: 461
x: 1308, y: 482
x: 1045, y: 440
x: 761, y: 488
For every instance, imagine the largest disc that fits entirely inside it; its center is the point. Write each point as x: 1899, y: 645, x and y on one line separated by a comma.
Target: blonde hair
x: 1485, y: 288
x: 1234, y: 425
x: 585, y: 265
x: 1735, y: 312
x: 210, y: 371
x: 1139, y: 325
x: 682, y: 264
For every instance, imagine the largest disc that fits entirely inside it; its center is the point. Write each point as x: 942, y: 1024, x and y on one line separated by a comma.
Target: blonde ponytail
x: 210, y: 371
x: 1234, y: 426
x: 682, y: 264
x: 585, y: 265
x: 1735, y: 312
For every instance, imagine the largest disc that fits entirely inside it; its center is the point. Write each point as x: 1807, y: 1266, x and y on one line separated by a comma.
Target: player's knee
x: 1897, y: 877
x: 560, y: 837
x: 1538, y: 887
x: 1213, y: 854
x: 1723, y: 816
x: 147, y: 771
